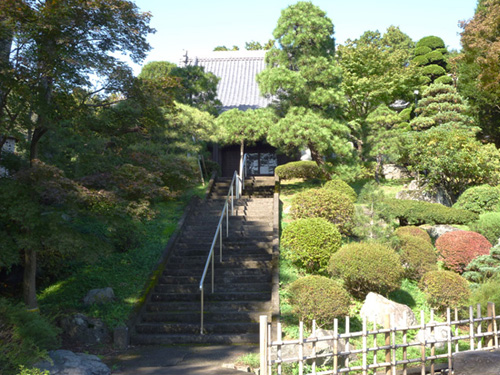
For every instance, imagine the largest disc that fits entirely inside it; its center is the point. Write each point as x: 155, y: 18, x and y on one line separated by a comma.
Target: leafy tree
x: 478, y: 66
x: 441, y: 104
x: 224, y: 48
x: 255, y: 46
x: 155, y: 70
x: 302, y: 74
x: 431, y: 56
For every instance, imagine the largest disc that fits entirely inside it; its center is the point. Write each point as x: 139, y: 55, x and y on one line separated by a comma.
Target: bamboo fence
x: 472, y: 332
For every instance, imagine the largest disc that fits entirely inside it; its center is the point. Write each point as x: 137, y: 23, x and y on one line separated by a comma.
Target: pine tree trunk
x: 29, y: 280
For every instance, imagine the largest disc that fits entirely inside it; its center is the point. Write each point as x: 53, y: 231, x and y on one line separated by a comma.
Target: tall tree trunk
x: 29, y: 280
x: 6, y: 38
x: 318, y: 158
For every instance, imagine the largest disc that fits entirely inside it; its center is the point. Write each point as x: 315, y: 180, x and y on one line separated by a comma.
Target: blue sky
x: 201, y: 25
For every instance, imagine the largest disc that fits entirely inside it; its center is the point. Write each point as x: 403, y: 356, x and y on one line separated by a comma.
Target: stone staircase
x: 243, y: 281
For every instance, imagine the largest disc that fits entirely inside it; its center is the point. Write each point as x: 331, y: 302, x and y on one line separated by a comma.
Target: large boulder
x: 436, y: 231
x: 395, y: 172
x: 81, y: 330
x: 418, y: 191
x: 376, y: 308
x: 65, y: 362
x: 439, y: 335
x: 99, y: 296
x: 476, y: 363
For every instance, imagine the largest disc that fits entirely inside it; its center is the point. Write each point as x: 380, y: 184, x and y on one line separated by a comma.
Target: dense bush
x: 489, y: 226
x: 414, y: 232
x: 417, y: 213
x: 483, y: 267
x: 309, y: 243
x: 479, y: 199
x: 305, y: 169
x: 319, y: 298
x: 456, y: 249
x: 328, y: 204
x: 445, y: 289
x: 417, y: 256
x: 24, y: 337
x: 342, y: 187
x: 486, y: 292
x: 367, y: 267
x: 137, y: 183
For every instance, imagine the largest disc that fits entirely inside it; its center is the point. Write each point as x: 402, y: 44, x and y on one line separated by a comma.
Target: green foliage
x: 486, y: 292
x: 417, y: 256
x: 305, y: 169
x: 457, y: 248
x: 32, y: 371
x: 318, y: 298
x: 414, y: 232
x: 367, y: 267
x: 309, y: 243
x: 488, y: 225
x: 483, y: 267
x: 452, y: 158
x: 324, y: 203
x: 342, y: 187
x: 24, y: 337
x: 411, y: 212
x: 479, y: 199
x: 431, y: 42
x: 134, y: 183
x: 445, y: 289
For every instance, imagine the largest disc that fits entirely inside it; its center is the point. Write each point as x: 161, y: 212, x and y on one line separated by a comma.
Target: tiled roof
x: 237, y: 70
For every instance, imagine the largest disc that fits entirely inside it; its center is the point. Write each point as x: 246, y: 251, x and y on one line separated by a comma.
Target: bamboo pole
x: 280, y: 338
x: 393, y: 345
x: 422, y: 346
x: 387, y: 325
x: 347, y: 345
x: 270, y: 339
x: 448, y: 324
x: 375, y: 346
x: 471, y: 328
x: 365, y: 367
x: 479, y: 326
x: 490, y: 325
x: 405, y: 341
x: 457, y: 346
x: 301, y: 348
x: 314, y: 347
x: 433, y: 338
x: 335, y: 346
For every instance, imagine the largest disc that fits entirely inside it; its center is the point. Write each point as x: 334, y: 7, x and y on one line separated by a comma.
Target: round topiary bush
x: 479, y: 199
x: 309, y: 243
x: 417, y: 256
x: 319, y: 298
x: 456, y: 249
x: 367, y: 267
x: 489, y: 226
x: 445, y: 289
x: 327, y: 204
x: 342, y: 187
x: 414, y: 231
x: 305, y: 169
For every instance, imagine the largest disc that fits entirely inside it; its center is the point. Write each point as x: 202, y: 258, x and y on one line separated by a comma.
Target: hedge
x: 445, y: 289
x: 413, y: 231
x: 305, y: 169
x: 479, y: 199
x: 342, y: 187
x: 417, y: 256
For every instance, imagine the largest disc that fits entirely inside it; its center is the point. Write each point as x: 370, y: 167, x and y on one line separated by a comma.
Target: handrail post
x: 213, y: 273
x: 220, y: 245
x: 201, y: 318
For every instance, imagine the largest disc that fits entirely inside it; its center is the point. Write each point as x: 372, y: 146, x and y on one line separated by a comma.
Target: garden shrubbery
x: 483, y: 267
x: 328, y: 204
x: 417, y: 213
x: 456, y: 249
x: 305, y: 169
x: 367, y: 267
x: 414, y: 232
x: 342, y: 187
x: 479, y: 199
x: 309, y: 243
x: 24, y: 337
x: 445, y: 289
x: 488, y: 225
x: 417, y: 256
x: 319, y: 298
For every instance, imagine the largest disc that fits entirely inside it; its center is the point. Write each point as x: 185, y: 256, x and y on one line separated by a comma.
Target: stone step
x: 218, y: 307
x: 158, y: 339
x: 230, y: 258
x: 219, y: 288
x: 167, y: 279
x: 224, y: 296
x: 208, y: 316
x: 194, y: 328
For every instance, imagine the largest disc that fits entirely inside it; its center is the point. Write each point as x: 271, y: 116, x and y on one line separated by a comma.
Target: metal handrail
x: 233, y: 191
x: 243, y: 174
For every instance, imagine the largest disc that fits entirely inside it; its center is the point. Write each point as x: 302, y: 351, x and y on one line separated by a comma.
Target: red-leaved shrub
x: 456, y: 249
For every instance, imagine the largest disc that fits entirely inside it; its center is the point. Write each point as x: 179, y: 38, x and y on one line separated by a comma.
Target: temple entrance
x: 261, y: 163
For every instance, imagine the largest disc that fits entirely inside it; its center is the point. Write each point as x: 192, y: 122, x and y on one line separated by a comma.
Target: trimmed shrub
x: 417, y: 213
x: 479, y: 199
x: 414, y: 232
x: 309, y: 243
x: 431, y: 41
x: 445, y: 289
x: 319, y: 298
x: 483, y: 267
x: 445, y: 80
x: 24, y: 337
x: 342, y: 187
x: 489, y: 226
x: 367, y: 267
x: 456, y: 249
x: 306, y: 169
x: 327, y: 204
x: 417, y: 256
x: 487, y: 292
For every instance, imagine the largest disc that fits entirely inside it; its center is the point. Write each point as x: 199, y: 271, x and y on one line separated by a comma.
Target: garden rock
x: 84, y: 331
x: 394, y: 172
x: 440, y: 334
x: 65, y: 362
x: 417, y: 191
x: 436, y: 231
x: 99, y: 296
x: 376, y: 308
x: 475, y: 363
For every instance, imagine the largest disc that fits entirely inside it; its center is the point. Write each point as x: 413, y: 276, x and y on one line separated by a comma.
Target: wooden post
x: 335, y: 346
x: 279, y: 337
x: 263, y: 345
x: 422, y: 346
x: 471, y: 328
x: 479, y: 326
x: 448, y: 324
x: 405, y: 341
x: 364, y: 333
x: 457, y: 347
x: 387, y: 325
x: 393, y: 345
x: 314, y: 347
x: 433, y: 338
x: 301, y: 348
x: 347, y: 345
x: 491, y: 315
